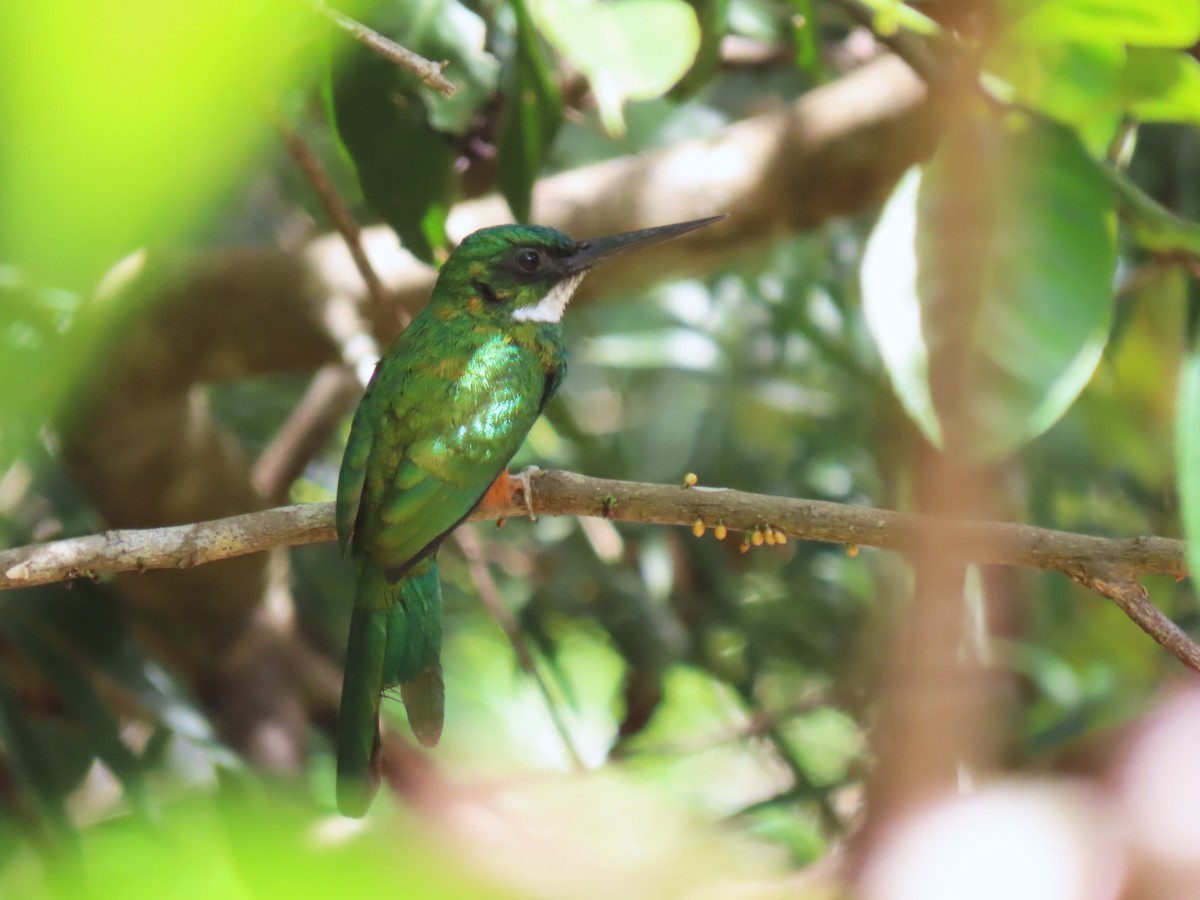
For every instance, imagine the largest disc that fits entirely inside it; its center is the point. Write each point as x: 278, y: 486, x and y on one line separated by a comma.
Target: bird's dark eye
x: 528, y: 260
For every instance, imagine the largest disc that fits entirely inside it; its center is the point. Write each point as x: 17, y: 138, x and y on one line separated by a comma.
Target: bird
x: 447, y: 407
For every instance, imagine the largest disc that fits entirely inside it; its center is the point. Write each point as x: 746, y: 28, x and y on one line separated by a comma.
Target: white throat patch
x: 551, y: 307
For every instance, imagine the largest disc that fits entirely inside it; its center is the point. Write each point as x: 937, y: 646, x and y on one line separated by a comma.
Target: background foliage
x: 720, y: 701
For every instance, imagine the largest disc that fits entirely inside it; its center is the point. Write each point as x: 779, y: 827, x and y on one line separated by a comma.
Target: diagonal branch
x: 425, y: 69
x: 1108, y: 565
x: 1124, y: 590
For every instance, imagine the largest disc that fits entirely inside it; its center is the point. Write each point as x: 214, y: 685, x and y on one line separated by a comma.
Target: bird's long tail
x: 395, y: 639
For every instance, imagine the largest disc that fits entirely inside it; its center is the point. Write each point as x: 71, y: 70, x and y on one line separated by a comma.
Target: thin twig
x: 489, y: 593
x: 339, y: 214
x: 1135, y: 602
x: 427, y: 70
x: 333, y: 390
x: 1083, y: 557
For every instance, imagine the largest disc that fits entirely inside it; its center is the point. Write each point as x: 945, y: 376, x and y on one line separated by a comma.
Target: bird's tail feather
x: 414, y: 648
x: 358, y: 717
x: 395, y: 639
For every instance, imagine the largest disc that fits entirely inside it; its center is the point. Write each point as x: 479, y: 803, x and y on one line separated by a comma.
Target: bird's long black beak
x: 588, y: 253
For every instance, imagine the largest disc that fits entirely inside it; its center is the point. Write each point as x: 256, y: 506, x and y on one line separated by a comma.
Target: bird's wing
x: 353, y: 473
x: 421, y: 486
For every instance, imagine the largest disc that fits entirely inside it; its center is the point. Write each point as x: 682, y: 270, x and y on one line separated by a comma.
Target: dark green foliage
x: 531, y: 116
x: 403, y: 164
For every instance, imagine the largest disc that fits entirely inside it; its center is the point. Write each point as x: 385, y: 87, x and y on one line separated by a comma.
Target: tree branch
x: 427, y: 70
x: 335, y: 208
x: 1107, y: 565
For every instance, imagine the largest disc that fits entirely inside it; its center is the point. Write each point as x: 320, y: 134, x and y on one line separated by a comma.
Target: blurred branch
x: 337, y: 210
x: 331, y: 394
x: 1092, y: 561
x: 489, y: 594
x: 334, y: 389
x: 1124, y: 590
x: 427, y: 70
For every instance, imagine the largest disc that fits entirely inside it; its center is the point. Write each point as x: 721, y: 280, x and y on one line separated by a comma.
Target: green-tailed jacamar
x: 448, y: 406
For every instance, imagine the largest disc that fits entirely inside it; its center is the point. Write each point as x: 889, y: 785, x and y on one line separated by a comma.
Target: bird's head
x: 528, y: 273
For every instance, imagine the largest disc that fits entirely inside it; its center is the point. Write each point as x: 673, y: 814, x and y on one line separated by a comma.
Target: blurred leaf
x: 1033, y: 240
x: 1162, y: 85
x: 444, y: 31
x: 892, y: 15
x: 628, y: 49
x: 33, y: 767
x: 35, y: 353
x: 891, y: 305
x: 1072, y: 81
x: 532, y: 115
x: 1153, y: 226
x: 1164, y: 23
x: 134, y: 117
x: 125, y: 122
x: 85, y: 705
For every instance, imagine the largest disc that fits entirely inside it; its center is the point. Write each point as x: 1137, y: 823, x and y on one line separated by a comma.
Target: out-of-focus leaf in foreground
x: 125, y: 121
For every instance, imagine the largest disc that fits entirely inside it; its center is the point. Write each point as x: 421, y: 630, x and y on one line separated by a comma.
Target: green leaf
x: 532, y: 116
x: 1073, y: 82
x: 986, y: 284
x: 1162, y: 85
x: 1160, y: 23
x: 403, y: 165
x: 1187, y: 454
x: 400, y: 133
x: 37, y: 352
x: 628, y: 49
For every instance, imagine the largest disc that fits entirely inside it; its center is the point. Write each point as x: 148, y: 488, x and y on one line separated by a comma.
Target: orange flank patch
x: 500, y: 494
x: 475, y: 306
x: 445, y: 313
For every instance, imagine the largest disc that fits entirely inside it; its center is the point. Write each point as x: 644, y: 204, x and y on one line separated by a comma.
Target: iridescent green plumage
x: 447, y: 408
